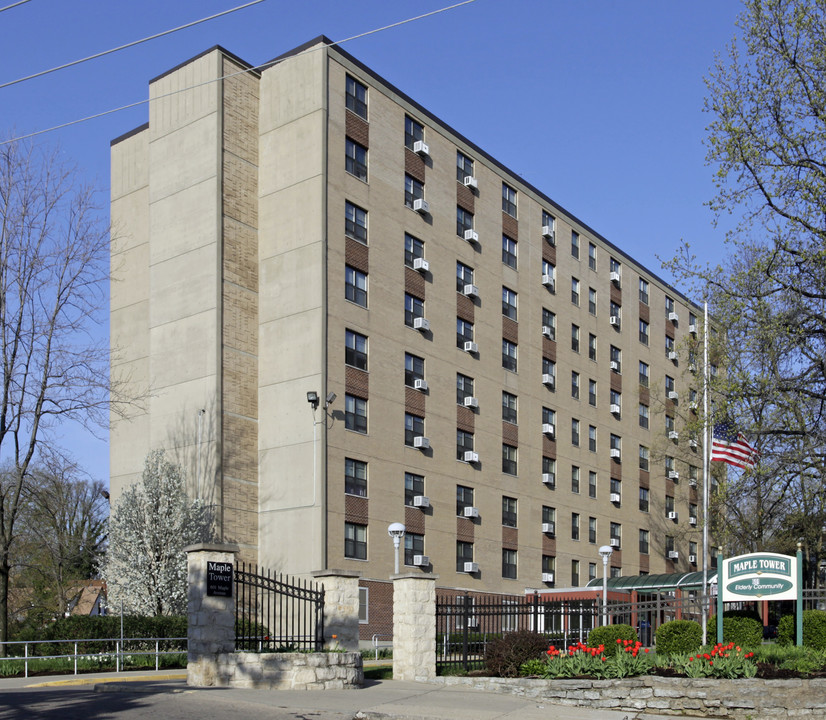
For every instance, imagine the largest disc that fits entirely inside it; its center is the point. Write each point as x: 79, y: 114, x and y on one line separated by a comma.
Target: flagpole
x: 705, y: 472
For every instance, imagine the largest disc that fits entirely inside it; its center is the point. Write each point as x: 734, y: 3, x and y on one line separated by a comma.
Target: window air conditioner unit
x: 615, y: 409
x: 421, y: 501
x: 420, y: 441
x: 548, y: 282
x: 471, y: 402
x: 673, y: 555
x: 420, y: 385
x: 615, y: 278
x: 421, y: 324
x: 614, y: 320
x: 672, y: 515
x: 470, y: 290
x: 547, y: 577
x: 692, y: 521
x: 672, y: 355
x: 470, y: 182
x: 673, y: 317
x: 692, y: 444
x: 692, y: 559
x: 473, y: 622
x: 471, y: 512
x: 615, y: 453
x: 548, y: 233
x: 614, y: 542
x: 673, y: 475
x: 421, y: 206
x: 421, y: 560
x: 548, y: 331
x: 548, y: 379
x: 673, y: 395
x: 421, y: 148
x: 471, y: 236
x: 421, y: 265
x: 615, y: 497
x: 692, y: 483
x: 549, y: 527
x: 692, y: 367
x: 692, y: 328
x: 471, y: 457
x: 470, y: 347
x: 549, y: 478
x: 614, y: 366
x: 471, y: 567
x: 693, y: 405
x: 548, y: 429
x: 673, y: 435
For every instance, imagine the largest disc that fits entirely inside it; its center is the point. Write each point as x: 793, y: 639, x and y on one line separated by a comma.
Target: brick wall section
x: 645, y: 312
x: 616, y: 556
x: 549, y: 348
x: 414, y: 520
x: 414, y: 401
x: 549, y: 446
x: 465, y: 309
x: 645, y: 395
x: 357, y: 129
x: 616, y: 294
x: 645, y: 562
x: 356, y: 509
x: 413, y: 165
x: 465, y: 419
x: 379, y: 611
x: 510, y: 330
x: 414, y: 283
x: 510, y: 226
x: 616, y: 382
x: 465, y: 198
x: 548, y: 544
x: 510, y: 538
x: 510, y: 433
x: 549, y: 252
x: 357, y: 382
x: 465, y: 529
x: 616, y: 467
x: 356, y: 255
x: 645, y: 478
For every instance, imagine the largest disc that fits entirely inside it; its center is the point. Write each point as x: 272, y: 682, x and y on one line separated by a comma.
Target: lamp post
x: 396, y: 531
x: 605, y: 552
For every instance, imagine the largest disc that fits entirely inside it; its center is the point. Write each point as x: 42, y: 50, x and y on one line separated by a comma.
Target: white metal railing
x: 120, y: 651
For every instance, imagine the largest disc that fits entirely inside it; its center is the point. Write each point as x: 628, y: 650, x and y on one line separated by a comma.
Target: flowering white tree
x: 152, y: 523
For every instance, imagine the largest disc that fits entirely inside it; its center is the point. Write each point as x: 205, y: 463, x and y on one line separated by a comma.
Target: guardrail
x: 120, y: 650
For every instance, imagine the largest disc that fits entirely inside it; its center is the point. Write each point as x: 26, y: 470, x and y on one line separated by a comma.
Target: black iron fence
x: 277, y: 613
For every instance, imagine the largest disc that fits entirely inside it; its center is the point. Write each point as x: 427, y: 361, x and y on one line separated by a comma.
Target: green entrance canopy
x: 654, y: 583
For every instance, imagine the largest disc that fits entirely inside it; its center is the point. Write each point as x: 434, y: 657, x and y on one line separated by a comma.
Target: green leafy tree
x: 149, y: 527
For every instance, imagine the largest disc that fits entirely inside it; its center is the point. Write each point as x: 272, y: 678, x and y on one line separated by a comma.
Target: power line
x: 14, y: 5
x: 224, y: 77
x: 128, y: 45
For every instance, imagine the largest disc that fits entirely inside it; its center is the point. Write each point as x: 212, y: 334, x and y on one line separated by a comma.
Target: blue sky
x: 598, y: 103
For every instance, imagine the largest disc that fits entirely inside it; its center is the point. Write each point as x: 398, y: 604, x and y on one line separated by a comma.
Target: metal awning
x: 655, y: 583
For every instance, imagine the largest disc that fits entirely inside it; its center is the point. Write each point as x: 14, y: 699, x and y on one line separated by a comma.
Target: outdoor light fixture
x: 396, y: 531
x: 312, y: 398
x: 605, y: 551
x: 330, y: 399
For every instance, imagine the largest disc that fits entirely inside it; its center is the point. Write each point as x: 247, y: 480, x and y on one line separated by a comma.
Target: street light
x: 396, y: 531
x: 605, y: 552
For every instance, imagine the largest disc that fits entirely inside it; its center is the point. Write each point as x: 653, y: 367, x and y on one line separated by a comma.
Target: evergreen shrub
x: 679, y: 636
x: 607, y: 636
x: 505, y: 655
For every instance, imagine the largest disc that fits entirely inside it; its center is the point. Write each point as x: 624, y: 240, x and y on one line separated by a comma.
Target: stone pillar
x: 414, y: 627
x: 341, y: 608
x: 211, y: 619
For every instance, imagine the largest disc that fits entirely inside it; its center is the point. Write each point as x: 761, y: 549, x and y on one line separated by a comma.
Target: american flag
x: 730, y: 446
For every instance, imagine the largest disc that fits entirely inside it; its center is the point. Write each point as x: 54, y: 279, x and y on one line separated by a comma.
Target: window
x: 692, y: 322
x: 464, y: 554
x: 644, y: 457
x: 592, y: 256
x: 548, y: 566
x: 575, y: 479
x: 508, y: 355
x: 644, y: 416
x: 644, y: 499
x: 692, y: 552
x: 575, y: 291
x: 616, y: 534
x: 669, y: 346
x: 574, y: 244
x: 549, y: 373
x: 413, y: 545
x: 592, y: 347
x: 413, y: 190
x: 464, y: 388
x: 574, y: 573
x: 548, y: 221
x: 669, y: 425
x: 616, y: 359
x: 464, y: 498
x: 592, y: 438
x: 548, y: 416
x: 508, y: 200
x: 574, y: 432
x: 592, y: 392
x: 355, y: 477
x: 549, y: 322
x: 355, y: 541
x: 615, y: 311
x: 413, y: 131
x: 669, y: 544
x: 356, y: 97
x: 413, y: 428
x: 644, y: 374
x: 509, y: 459
x: 355, y: 413
x: 464, y: 167
x: 616, y: 402
x: 549, y: 468
x: 549, y: 515
x: 592, y: 484
x: 364, y: 603
x: 355, y: 286
x: 592, y: 301
x: 464, y: 276
x: 509, y: 564
x: 355, y: 159
x: 669, y: 464
x: 355, y: 350
x: 509, y: 251
x: 616, y: 488
x: 669, y: 504
x: 549, y: 276
x: 669, y: 385
x: 574, y: 526
x: 508, y: 303
x: 508, y: 511
x: 355, y: 222
x: 413, y: 308
x: 615, y: 443
x: 464, y: 221
x: 575, y: 384
x: 693, y: 474
x: 575, y: 338
x: 464, y: 332
x: 669, y: 306
x: 592, y: 530
x: 644, y: 291
x: 413, y: 487
x: 592, y: 571
x: 413, y: 249
x: 644, y: 535
x: 413, y: 369
x: 509, y: 407
x: 464, y: 443
x: 643, y: 332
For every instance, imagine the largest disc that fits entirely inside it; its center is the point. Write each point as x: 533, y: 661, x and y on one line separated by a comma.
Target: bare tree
x: 54, y: 251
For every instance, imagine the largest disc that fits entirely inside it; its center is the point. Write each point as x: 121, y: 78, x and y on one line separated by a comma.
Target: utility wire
x: 14, y: 5
x: 128, y: 45
x: 223, y: 77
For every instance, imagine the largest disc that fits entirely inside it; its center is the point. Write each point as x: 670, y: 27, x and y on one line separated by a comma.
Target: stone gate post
x: 341, y: 608
x: 414, y: 627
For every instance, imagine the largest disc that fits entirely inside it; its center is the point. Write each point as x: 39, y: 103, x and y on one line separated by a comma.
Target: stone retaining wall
x: 734, y: 699
x: 287, y: 671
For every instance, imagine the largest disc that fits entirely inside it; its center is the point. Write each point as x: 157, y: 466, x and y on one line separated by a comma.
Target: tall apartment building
x: 509, y: 384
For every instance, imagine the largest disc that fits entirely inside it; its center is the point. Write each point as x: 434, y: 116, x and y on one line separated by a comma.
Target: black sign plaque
x: 219, y: 579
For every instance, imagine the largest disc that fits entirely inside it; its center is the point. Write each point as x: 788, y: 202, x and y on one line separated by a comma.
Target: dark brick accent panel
x: 510, y: 330
x: 549, y: 252
x: 645, y: 312
x: 465, y: 529
x: 645, y: 395
x: 465, y: 309
x: 357, y: 129
x: 465, y: 198
x: 413, y: 165
x: 379, y: 611
x: 510, y: 226
x: 357, y: 382
x: 548, y: 447
x: 616, y: 382
x: 356, y: 255
x: 355, y: 509
x: 645, y: 561
x: 549, y: 348
x: 414, y: 283
x: 414, y: 401
x: 616, y: 294
x: 510, y: 538
x: 414, y: 520
x: 465, y: 419
x: 645, y: 479
x: 548, y: 544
